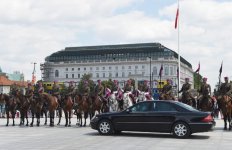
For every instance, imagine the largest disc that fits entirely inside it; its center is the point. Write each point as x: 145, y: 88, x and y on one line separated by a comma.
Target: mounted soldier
x: 167, y: 91
x: 56, y: 93
x: 187, y: 97
x: 86, y: 90
x: 204, y: 92
x: 129, y: 88
x: 71, y: 90
x: 99, y: 90
x: 29, y: 92
x: 14, y: 89
x: 226, y: 88
x: 146, y: 90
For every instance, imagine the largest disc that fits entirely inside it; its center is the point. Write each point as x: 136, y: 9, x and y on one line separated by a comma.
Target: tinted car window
x: 159, y: 106
x: 141, y: 107
x: 187, y: 107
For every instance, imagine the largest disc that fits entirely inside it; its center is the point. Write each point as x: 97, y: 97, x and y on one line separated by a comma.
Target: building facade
x: 119, y: 62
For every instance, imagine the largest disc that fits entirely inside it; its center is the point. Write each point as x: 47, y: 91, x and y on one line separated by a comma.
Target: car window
x: 141, y: 107
x: 159, y: 106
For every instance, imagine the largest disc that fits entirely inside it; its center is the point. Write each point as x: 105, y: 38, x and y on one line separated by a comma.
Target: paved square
x: 84, y: 138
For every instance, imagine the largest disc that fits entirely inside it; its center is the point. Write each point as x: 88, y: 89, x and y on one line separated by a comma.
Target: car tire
x: 105, y: 127
x: 181, y: 130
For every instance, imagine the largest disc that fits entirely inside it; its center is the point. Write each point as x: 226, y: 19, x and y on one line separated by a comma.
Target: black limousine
x: 155, y: 116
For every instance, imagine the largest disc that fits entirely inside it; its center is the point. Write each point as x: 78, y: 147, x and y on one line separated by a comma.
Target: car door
x: 135, y: 119
x: 162, y: 116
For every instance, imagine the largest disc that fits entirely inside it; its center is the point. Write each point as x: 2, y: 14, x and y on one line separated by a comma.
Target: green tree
x: 86, y: 77
x: 197, y: 80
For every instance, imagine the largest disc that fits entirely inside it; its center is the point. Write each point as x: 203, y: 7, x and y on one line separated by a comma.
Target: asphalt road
x: 84, y: 138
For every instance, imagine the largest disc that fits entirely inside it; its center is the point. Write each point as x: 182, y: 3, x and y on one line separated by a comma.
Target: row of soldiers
x: 100, y: 90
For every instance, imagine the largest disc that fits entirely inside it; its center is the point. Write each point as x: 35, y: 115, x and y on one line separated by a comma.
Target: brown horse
x: 78, y: 109
x: 206, y: 104
x: 225, y: 103
x: 67, y: 107
x: 23, y: 106
x: 37, y: 105
x: 97, y: 104
x: 85, y: 108
x: 52, y: 106
x: 10, y: 106
x: 188, y: 99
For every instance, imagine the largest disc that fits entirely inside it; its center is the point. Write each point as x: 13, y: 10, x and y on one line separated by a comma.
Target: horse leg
x: 60, y: 114
x: 46, y: 117
x: 69, y: 117
x: 27, y: 117
x: 225, y: 122
x: 32, y: 118
x: 38, y: 118
x: 7, y: 116
x: 52, y: 114
x: 13, y: 117
x: 66, y: 118
x: 229, y: 120
x: 85, y: 116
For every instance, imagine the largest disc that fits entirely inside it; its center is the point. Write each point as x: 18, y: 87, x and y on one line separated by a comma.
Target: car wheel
x: 181, y: 130
x: 105, y: 127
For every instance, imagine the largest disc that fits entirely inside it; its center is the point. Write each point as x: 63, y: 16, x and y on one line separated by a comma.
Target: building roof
x: 4, y: 81
x: 103, y: 50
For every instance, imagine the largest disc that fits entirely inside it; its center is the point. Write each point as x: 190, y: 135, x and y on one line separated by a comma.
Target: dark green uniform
x: 226, y: 89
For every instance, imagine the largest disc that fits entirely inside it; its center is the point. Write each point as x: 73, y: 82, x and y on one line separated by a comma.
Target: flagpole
x: 178, y: 50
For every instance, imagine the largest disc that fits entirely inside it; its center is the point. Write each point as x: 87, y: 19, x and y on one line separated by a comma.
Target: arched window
x: 56, y: 73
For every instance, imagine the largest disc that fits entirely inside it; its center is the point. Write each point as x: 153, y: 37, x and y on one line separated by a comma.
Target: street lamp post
x: 150, y: 71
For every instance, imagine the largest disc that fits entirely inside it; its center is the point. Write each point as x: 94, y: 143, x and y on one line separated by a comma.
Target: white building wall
x: 140, y: 69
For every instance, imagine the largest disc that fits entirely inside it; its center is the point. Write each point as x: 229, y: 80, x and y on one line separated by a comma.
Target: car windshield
x: 186, y: 106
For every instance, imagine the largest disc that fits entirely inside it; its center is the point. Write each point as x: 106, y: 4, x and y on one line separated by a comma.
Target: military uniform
x: 204, y: 92
x: 71, y: 90
x: 186, y: 95
x: 86, y: 90
x: 99, y: 90
x: 167, y: 90
x: 226, y: 89
x: 14, y: 89
x: 29, y: 92
x: 56, y: 93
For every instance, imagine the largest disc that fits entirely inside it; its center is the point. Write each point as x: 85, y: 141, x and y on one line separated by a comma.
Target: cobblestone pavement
x: 84, y: 138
